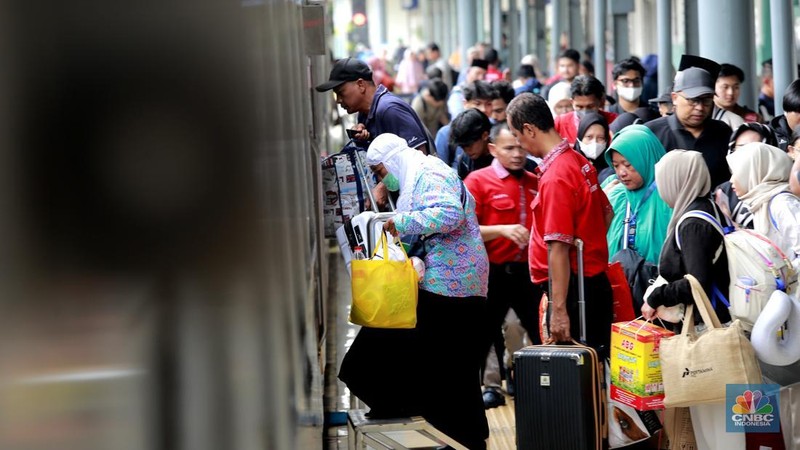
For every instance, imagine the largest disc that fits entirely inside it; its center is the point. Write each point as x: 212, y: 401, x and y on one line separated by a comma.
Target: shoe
x: 492, y: 399
x: 511, y: 384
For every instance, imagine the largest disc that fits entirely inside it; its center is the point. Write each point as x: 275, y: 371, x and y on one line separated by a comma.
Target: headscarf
x: 399, y: 160
x: 682, y: 176
x: 592, y: 118
x: 643, y: 150
x: 761, y: 171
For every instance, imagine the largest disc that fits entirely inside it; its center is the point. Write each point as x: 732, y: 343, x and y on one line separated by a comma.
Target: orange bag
x: 623, y: 300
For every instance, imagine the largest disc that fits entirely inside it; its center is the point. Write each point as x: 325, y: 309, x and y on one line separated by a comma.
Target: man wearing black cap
x: 379, y: 111
x: 691, y: 126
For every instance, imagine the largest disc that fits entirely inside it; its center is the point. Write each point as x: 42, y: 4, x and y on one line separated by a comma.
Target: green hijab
x: 643, y: 150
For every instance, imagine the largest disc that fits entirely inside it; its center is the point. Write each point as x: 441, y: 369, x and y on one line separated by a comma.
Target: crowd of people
x: 506, y: 174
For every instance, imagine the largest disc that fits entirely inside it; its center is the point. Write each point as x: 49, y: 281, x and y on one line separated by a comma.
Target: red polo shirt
x: 503, y: 199
x: 567, y: 124
x: 570, y: 205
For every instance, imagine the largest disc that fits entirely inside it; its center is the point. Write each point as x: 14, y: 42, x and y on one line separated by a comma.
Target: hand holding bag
x: 696, y: 368
x: 384, y: 291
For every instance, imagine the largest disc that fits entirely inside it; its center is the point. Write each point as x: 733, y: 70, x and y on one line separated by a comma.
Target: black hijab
x: 588, y: 120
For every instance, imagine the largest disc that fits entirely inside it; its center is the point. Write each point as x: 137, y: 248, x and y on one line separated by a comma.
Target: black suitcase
x: 560, y: 403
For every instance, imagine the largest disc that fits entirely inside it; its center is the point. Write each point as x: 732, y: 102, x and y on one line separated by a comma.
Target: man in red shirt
x: 588, y: 95
x: 503, y: 192
x: 569, y: 205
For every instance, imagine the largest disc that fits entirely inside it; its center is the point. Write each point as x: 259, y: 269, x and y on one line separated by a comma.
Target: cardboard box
x: 635, y: 367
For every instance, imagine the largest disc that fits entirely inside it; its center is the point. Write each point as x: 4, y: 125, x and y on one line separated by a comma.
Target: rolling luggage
x: 560, y: 402
x: 363, y: 230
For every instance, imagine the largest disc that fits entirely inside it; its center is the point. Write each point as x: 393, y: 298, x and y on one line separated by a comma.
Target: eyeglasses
x: 635, y: 82
x: 705, y: 101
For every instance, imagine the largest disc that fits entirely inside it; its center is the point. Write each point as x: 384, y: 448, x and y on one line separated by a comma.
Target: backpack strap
x: 769, y: 208
x: 704, y: 216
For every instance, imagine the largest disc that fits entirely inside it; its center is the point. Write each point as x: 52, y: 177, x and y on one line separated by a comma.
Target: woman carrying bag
x: 452, y: 301
x: 641, y: 216
x: 684, y: 183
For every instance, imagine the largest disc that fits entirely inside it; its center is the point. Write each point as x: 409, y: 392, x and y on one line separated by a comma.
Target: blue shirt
x: 443, y: 147
x: 390, y: 114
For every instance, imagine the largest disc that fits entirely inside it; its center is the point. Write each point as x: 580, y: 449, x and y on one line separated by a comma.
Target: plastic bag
x: 384, y: 291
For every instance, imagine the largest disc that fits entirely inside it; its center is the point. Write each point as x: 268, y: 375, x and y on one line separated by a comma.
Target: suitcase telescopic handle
x: 581, y: 291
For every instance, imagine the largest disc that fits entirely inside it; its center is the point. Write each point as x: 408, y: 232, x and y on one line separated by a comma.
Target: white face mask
x: 630, y: 94
x: 592, y: 150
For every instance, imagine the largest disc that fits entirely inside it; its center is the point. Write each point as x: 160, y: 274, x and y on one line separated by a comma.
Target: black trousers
x: 432, y: 370
x: 510, y: 286
x: 599, y: 311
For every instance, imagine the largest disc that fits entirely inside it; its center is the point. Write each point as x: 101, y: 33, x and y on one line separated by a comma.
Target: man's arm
x: 516, y: 233
x: 559, y: 272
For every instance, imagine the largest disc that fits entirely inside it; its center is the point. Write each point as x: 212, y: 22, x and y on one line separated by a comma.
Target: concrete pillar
x: 664, y: 27
x: 784, y: 67
x: 765, y: 49
x: 513, y: 36
x: 729, y: 25
x: 497, y: 25
x: 555, y: 35
x: 600, y: 41
x: 467, y: 28
x: 380, y: 13
x: 541, y: 33
x: 525, y: 28
x: 619, y: 11
x: 428, y: 28
x: 575, y: 21
x: 691, y: 15
x: 480, y: 13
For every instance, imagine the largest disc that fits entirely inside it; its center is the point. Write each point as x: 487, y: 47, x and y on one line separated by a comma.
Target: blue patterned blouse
x: 456, y: 264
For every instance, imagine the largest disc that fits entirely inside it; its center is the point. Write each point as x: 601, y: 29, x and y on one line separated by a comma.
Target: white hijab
x: 761, y: 171
x: 399, y: 160
x: 681, y: 177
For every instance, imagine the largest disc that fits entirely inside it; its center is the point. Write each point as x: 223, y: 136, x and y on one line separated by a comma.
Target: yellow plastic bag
x: 384, y: 292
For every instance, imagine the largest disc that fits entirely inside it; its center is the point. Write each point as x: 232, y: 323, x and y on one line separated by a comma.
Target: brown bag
x: 678, y: 426
x: 696, y: 368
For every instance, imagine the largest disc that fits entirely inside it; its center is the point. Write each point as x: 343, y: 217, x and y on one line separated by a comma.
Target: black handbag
x: 416, y: 242
x: 639, y: 273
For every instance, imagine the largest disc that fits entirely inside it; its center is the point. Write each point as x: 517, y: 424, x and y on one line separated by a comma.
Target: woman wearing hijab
x: 760, y: 177
x: 593, y: 138
x: 683, y: 182
x: 724, y: 195
x: 633, y: 156
x: 452, y: 300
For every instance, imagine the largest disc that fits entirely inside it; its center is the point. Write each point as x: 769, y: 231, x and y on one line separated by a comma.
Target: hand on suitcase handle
x: 390, y: 227
x: 559, y: 325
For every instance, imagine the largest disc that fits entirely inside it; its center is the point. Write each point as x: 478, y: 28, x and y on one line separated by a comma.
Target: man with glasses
x: 691, y: 126
x: 628, y: 75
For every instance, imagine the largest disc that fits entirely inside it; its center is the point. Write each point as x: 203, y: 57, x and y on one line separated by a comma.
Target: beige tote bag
x: 695, y: 368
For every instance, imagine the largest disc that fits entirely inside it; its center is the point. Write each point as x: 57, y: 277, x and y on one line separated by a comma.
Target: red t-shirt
x: 570, y: 205
x: 567, y: 124
x: 503, y: 199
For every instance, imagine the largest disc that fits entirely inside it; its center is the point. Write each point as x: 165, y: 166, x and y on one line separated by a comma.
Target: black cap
x: 344, y: 70
x: 694, y: 82
x: 663, y: 98
x: 706, y: 64
x: 482, y: 63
